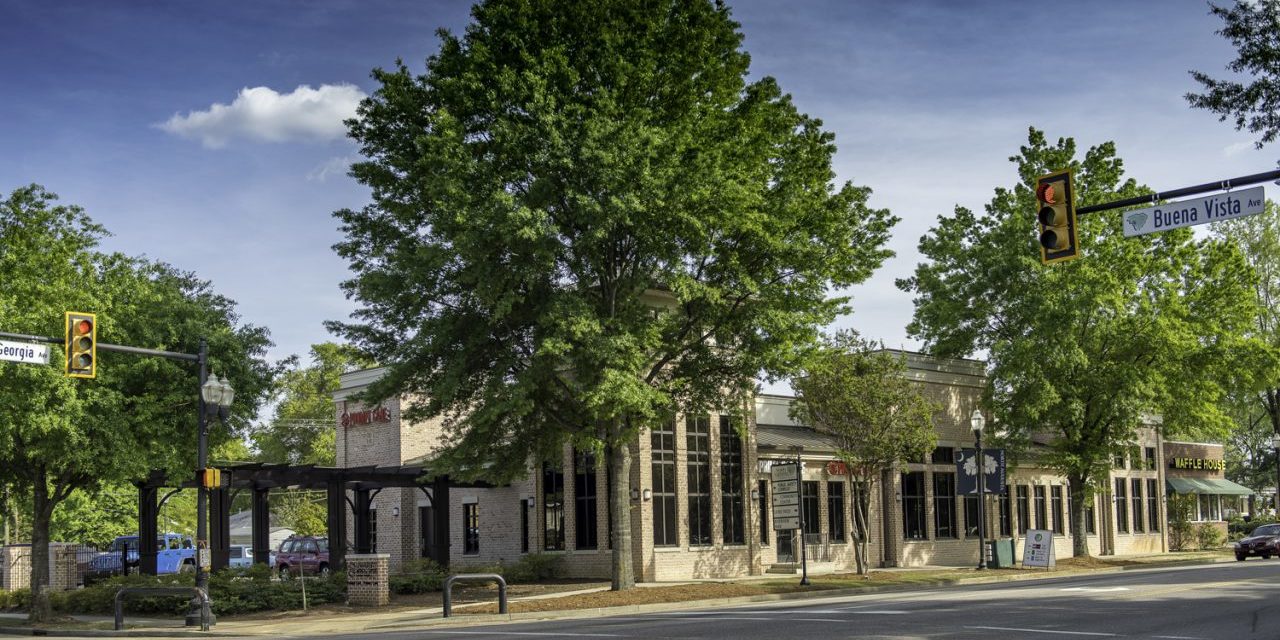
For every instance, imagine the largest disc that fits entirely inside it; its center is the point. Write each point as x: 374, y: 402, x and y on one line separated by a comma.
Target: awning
x: 785, y: 438
x: 1210, y: 486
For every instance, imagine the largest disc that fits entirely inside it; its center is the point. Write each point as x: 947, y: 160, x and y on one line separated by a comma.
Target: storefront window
x: 944, y: 504
x: 731, y: 483
x: 553, y: 507
x: 586, y: 529
x: 1006, y: 516
x: 1136, y: 497
x: 1059, y: 517
x: 1122, y: 506
x: 809, y: 502
x: 913, y: 527
x: 1024, y: 509
x: 1042, y: 509
x: 698, y: 441
x: 1209, y: 508
x: 663, y: 440
x: 835, y: 511
x: 1153, y: 506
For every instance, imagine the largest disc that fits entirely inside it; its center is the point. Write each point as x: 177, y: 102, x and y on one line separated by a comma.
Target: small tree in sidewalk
x: 878, y: 419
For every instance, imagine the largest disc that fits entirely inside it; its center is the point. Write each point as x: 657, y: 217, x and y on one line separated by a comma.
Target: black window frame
x: 1041, y: 501
x: 553, y: 538
x: 1135, y: 499
x: 764, y: 510
x: 586, y: 529
x: 1153, y: 505
x: 665, y: 503
x: 943, y: 455
x: 732, y: 510
x: 810, y: 506
x: 1006, y: 514
x: 1056, y: 503
x: 944, y: 506
x: 471, y: 529
x: 835, y: 511
x: 970, y: 515
x: 1121, y: 499
x: 913, y: 507
x: 1024, y: 509
x: 698, y: 479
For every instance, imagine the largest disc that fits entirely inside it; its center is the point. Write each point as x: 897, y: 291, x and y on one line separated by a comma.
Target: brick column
x: 65, y: 576
x: 17, y: 567
x: 367, y: 583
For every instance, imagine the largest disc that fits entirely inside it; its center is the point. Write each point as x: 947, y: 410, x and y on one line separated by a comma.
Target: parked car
x: 306, y: 555
x: 241, y: 556
x: 1264, y: 541
x: 174, y: 554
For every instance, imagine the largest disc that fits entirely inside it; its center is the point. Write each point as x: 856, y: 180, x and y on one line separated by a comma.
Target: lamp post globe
x: 215, y: 400
x: 977, y: 421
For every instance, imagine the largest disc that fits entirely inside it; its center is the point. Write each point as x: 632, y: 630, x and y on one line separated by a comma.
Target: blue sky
x: 114, y: 106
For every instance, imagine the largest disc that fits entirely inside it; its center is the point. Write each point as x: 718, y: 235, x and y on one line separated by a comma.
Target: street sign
x: 786, y: 496
x: 1172, y: 215
x: 785, y: 472
x: 787, y: 511
x: 24, y: 352
x: 785, y: 499
x: 786, y: 524
x: 785, y: 486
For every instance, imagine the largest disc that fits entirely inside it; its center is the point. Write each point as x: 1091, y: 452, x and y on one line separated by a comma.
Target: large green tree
x: 861, y: 397
x: 302, y: 429
x: 585, y: 218
x: 1083, y: 350
x: 1253, y: 103
x: 59, y: 434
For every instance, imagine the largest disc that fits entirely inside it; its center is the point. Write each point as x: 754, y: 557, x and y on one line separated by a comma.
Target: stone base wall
x: 367, y: 582
x: 17, y: 567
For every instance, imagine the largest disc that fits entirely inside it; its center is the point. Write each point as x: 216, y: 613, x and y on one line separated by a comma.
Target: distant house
x: 242, y: 530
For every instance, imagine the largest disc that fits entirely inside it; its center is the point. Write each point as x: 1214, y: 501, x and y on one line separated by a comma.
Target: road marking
x: 1097, y: 589
x: 1178, y: 637
x: 557, y: 634
x: 1065, y: 633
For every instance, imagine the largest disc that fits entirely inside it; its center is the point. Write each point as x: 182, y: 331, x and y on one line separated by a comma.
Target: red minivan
x: 303, y: 555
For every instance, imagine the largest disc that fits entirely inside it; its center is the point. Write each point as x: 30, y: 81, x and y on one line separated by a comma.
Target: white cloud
x: 332, y: 167
x: 260, y: 114
x: 1236, y: 148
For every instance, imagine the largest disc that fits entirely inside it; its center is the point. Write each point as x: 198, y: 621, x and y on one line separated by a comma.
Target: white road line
x: 1178, y: 637
x: 1065, y: 633
x: 1097, y: 589
x: 557, y: 634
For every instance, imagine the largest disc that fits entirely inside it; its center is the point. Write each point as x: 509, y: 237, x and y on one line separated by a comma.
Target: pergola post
x: 261, y: 525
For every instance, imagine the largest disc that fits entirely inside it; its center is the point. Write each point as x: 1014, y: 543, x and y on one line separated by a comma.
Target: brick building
x: 701, y: 494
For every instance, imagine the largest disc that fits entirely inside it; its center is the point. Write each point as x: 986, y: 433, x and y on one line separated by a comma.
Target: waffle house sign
x: 1205, y: 464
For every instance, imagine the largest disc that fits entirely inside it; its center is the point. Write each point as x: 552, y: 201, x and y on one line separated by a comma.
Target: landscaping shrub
x: 418, y: 576
x: 535, y: 567
x: 1208, y: 537
x: 16, y: 599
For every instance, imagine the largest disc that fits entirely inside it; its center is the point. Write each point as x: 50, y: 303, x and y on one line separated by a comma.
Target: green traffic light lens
x: 84, y: 361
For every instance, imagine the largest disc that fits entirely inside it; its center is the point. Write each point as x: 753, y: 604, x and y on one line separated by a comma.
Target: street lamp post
x: 977, y: 421
x: 216, y: 395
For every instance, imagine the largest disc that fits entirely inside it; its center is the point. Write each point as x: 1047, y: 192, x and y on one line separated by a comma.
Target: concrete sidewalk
x: 299, y: 624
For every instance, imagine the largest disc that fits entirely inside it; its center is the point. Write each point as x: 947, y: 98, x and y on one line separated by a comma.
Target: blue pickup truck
x: 174, y: 554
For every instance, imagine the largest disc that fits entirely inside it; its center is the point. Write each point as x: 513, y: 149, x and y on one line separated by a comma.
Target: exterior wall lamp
x: 648, y: 494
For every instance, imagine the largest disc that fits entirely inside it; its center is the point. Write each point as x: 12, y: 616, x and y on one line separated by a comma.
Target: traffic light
x: 81, y: 345
x: 211, y: 478
x: 1056, y: 199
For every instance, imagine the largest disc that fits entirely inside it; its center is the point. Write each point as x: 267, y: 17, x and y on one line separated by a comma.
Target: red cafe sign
x: 837, y: 468
x: 350, y: 419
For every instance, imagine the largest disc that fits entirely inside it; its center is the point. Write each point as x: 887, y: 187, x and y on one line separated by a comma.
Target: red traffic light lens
x: 83, y: 327
x: 1046, y: 193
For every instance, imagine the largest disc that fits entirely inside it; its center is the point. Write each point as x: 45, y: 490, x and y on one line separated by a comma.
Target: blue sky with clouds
x: 208, y: 135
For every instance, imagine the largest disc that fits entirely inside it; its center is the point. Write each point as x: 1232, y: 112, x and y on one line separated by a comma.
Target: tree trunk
x: 624, y: 576
x: 1079, y: 535
x: 862, y: 491
x: 41, y: 514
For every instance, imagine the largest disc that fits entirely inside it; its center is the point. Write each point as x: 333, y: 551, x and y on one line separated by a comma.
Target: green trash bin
x: 1001, y: 553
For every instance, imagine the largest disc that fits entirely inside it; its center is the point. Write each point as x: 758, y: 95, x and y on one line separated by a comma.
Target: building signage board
x: 1171, y: 215
x: 1037, y: 549
x: 24, y: 352
x: 1198, y: 463
x: 786, y: 496
x: 993, y: 471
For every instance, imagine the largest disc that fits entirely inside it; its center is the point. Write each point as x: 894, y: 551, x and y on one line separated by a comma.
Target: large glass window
x: 553, y: 507
x: 1024, y: 509
x: 1006, y: 515
x: 943, y: 455
x: 1153, y: 506
x: 1042, y: 511
x: 809, y: 502
x: 524, y: 525
x: 1090, y: 517
x: 1122, y: 506
x: 586, y: 529
x: 1059, y: 517
x: 731, y: 483
x: 913, y: 527
x: 470, y: 529
x: 763, y: 489
x: 1150, y: 456
x: 698, y: 443
x: 1210, y: 508
x: 835, y: 511
x: 1136, y: 497
x: 971, y: 515
x: 663, y: 442
x: 944, y: 504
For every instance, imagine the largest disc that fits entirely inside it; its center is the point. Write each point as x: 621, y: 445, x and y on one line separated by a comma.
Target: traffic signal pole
x: 1221, y: 185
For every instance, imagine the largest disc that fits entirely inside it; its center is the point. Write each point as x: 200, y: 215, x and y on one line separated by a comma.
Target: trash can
x: 1001, y: 553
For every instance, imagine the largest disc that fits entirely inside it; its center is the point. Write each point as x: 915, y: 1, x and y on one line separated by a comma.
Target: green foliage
x: 1208, y: 536
x: 612, y: 225
x: 1251, y: 26
x: 96, y: 518
x: 1181, y: 509
x: 301, y: 431
x: 303, y: 511
x: 418, y: 576
x: 1238, y: 527
x: 15, y: 600
x: 1084, y: 350
x: 535, y: 567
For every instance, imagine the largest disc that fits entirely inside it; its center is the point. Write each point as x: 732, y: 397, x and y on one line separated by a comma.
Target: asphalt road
x: 1224, y: 601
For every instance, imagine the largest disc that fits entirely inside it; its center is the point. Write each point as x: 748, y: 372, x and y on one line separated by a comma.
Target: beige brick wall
x: 367, y: 579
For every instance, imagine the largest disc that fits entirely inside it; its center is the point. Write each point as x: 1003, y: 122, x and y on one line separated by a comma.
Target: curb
x: 568, y: 614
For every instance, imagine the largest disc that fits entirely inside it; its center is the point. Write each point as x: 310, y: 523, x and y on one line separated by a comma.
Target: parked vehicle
x: 174, y: 554
x: 1264, y: 541
x: 308, y: 555
x: 241, y: 556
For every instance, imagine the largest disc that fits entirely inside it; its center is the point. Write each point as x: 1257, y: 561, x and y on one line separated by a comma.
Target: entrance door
x: 786, y: 546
